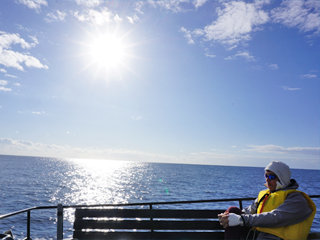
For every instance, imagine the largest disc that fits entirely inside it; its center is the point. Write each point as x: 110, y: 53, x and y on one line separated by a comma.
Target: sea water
x: 33, y: 181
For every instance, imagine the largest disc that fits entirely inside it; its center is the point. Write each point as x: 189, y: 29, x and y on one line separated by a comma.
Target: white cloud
x: 273, y: 66
x: 3, y: 82
x: 5, y: 89
x: 314, y: 151
x: 246, y: 55
x: 136, y: 118
x: 89, y: 3
x: 309, y: 76
x: 235, y: 23
x: 301, y: 14
x: 133, y: 19
x: 17, y: 84
x: 14, y: 59
x: 102, y: 17
x: 199, y: 3
x: 12, y: 76
x: 37, y: 113
x: 58, y: 16
x: 173, y: 5
x: 290, y: 89
x: 3, y: 70
x: 187, y: 35
x: 209, y: 54
x: 8, y: 39
x: 29, y: 148
x: 34, y: 4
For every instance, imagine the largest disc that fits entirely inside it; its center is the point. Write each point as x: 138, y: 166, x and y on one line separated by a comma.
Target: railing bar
x: 133, y: 204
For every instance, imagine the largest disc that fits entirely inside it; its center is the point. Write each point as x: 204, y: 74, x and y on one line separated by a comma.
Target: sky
x: 196, y: 82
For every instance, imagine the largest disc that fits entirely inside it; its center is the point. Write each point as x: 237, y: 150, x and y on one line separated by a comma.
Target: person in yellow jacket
x: 279, y: 212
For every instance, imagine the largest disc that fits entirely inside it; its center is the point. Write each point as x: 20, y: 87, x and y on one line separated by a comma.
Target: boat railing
x: 60, y: 208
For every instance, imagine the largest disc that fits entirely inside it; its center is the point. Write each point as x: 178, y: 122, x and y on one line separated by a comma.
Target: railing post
x: 240, y: 204
x: 151, y: 218
x: 59, y: 222
x: 28, y: 225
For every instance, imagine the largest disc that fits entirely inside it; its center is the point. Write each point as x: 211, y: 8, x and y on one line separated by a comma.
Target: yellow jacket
x: 275, y: 199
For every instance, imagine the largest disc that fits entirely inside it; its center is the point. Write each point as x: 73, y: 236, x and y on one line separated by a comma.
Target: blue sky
x: 201, y: 82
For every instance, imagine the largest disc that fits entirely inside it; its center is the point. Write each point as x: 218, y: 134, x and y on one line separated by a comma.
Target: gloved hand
x: 234, y: 220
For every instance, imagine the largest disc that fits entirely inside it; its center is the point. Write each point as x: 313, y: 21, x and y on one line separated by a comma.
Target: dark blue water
x: 33, y: 181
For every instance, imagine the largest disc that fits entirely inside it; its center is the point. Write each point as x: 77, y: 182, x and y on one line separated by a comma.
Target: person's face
x: 271, y: 179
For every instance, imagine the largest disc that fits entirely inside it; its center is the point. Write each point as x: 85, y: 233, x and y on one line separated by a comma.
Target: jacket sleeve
x: 295, y: 209
x: 252, y: 208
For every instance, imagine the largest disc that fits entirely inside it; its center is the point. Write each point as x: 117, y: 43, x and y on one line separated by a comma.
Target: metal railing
x: 60, y: 208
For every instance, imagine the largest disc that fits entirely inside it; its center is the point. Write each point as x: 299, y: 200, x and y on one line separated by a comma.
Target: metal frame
x: 60, y: 208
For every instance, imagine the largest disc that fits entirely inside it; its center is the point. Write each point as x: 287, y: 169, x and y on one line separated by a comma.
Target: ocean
x: 35, y: 181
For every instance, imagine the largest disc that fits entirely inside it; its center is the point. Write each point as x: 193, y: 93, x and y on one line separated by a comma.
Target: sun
x: 107, y: 51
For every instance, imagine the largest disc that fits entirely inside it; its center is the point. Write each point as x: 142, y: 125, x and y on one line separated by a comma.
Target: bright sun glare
x: 107, y: 51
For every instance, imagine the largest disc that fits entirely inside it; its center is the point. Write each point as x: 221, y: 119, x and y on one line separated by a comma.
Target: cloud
x: 3, y: 70
x: 8, y: 39
x: 303, y: 15
x: 273, y: 66
x: 14, y: 59
x: 17, y: 84
x: 187, y: 35
x: 235, y: 23
x: 34, y: 4
x: 89, y: 3
x: 29, y: 148
x: 58, y: 16
x: 173, y: 5
x: 5, y: 89
x: 136, y: 118
x: 199, y: 3
x: 3, y: 82
x: 313, y: 151
x: 290, y: 89
x: 308, y: 76
x: 102, y: 17
x: 246, y: 55
x: 133, y: 19
x: 38, y: 113
x: 12, y: 76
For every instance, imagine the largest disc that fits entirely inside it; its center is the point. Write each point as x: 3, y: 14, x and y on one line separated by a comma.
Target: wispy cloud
x: 133, y: 19
x: 245, y: 54
x: 95, y: 17
x: 301, y: 14
x: 199, y: 3
x: 12, y: 76
x: 308, y: 76
x: 136, y: 118
x: 273, y: 66
x: 314, y: 151
x: 3, y: 82
x: 290, y: 89
x: 29, y: 148
x: 187, y: 35
x: 174, y: 6
x: 89, y: 3
x: 14, y: 59
x: 58, y: 16
x: 34, y: 4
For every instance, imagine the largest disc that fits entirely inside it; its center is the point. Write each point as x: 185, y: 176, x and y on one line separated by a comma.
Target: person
x: 279, y: 212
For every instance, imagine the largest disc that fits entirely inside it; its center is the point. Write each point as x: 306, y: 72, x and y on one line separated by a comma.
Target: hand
x: 223, y: 219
